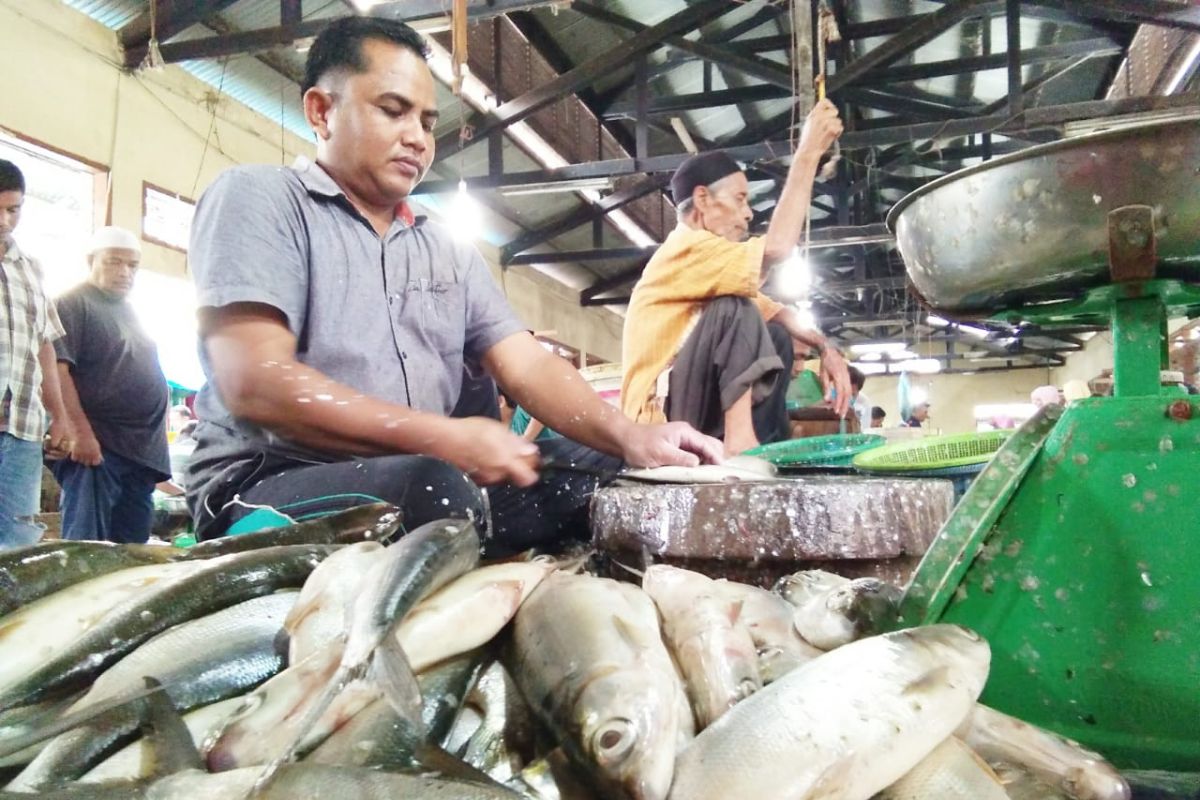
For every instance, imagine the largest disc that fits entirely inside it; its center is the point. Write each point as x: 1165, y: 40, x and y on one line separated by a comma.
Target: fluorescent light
x: 879, y: 347
x: 475, y: 92
x: 922, y: 365
x: 902, y: 355
x: 936, y: 321
x: 464, y: 215
x: 549, y: 187
x: 870, y: 369
x: 871, y: 357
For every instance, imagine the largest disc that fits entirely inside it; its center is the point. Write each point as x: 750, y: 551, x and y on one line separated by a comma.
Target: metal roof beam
x: 1043, y: 117
x: 906, y: 41
x: 574, y: 256
x: 772, y: 73
x: 265, y: 38
x: 957, y: 66
x: 171, y: 18
x: 588, y: 72
x: 692, y: 102
x: 585, y: 214
x: 1145, y: 12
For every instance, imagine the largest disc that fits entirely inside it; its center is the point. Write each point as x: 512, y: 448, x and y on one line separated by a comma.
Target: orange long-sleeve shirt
x: 689, y: 269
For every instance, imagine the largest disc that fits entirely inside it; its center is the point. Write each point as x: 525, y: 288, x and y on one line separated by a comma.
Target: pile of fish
x: 322, y: 661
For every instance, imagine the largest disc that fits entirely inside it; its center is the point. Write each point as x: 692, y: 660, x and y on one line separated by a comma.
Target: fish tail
x: 337, y: 683
x: 394, y: 675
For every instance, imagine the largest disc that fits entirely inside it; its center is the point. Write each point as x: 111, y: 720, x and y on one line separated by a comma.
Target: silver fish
x: 503, y: 742
x: 738, y: 469
x: 202, y: 588
x: 319, y: 782
x: 420, y: 563
x: 319, y: 616
x: 209, y: 659
x: 1056, y: 761
x: 130, y: 763
x: 952, y: 771
x: 845, y: 613
x: 700, y: 623
x: 588, y: 655
x: 843, y: 726
x: 768, y: 618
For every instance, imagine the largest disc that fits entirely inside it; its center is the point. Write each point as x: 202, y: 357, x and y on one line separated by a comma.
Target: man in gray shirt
x: 335, y: 324
x: 115, y: 397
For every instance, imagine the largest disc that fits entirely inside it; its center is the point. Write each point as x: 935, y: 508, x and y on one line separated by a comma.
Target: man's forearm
x: 798, y: 331
x: 787, y: 220
x: 52, y: 397
x: 305, y: 406
x: 69, y: 401
x: 554, y: 392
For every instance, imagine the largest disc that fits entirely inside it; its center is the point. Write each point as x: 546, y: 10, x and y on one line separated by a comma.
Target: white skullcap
x: 1045, y: 396
x: 110, y: 237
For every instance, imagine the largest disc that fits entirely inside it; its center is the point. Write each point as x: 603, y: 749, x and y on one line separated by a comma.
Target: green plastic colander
x: 932, y: 453
x: 835, y: 450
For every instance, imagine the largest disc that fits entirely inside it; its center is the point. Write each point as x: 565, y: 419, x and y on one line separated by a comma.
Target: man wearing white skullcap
x: 116, y: 397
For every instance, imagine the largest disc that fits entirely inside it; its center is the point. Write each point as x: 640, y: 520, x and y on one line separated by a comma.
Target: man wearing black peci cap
x: 702, y: 343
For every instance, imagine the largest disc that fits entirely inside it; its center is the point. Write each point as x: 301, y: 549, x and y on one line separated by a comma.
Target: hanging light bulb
x: 464, y: 215
x: 794, y: 277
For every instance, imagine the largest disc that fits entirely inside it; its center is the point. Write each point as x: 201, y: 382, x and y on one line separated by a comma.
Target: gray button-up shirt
x: 392, y: 317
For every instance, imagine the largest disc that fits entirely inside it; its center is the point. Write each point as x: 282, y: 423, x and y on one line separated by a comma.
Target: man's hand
x: 672, y: 444
x: 490, y: 453
x: 86, y: 450
x: 58, y: 441
x: 837, y: 379
x: 821, y: 129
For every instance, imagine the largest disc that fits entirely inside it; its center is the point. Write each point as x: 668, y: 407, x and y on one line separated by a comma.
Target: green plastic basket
x: 835, y: 450
x: 932, y: 453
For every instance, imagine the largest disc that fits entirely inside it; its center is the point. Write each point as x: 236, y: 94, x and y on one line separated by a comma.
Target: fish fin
x: 934, y: 678
x: 628, y: 631
x: 394, y: 675
x: 165, y: 729
x: 73, y: 719
x: 735, y: 611
x: 337, y: 683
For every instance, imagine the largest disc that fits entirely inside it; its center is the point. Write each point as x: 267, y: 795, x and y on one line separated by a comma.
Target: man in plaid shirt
x: 28, y: 377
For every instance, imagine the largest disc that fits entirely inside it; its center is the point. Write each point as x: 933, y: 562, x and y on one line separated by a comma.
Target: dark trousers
x: 547, y: 515
x: 112, y: 502
x: 729, y: 352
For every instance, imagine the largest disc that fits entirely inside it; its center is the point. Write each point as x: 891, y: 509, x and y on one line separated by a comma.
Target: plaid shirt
x: 27, y: 319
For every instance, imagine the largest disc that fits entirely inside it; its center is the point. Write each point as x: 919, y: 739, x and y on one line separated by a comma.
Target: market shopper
x: 28, y: 326
x: 116, y: 398
x: 335, y: 322
x: 702, y: 343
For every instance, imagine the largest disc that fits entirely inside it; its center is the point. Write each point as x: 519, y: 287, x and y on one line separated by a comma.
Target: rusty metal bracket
x: 1132, y: 254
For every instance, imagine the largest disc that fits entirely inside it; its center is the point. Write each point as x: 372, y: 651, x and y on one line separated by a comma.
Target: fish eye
x: 614, y: 740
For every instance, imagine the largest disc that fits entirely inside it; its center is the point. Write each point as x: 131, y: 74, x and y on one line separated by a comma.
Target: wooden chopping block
x: 773, y: 527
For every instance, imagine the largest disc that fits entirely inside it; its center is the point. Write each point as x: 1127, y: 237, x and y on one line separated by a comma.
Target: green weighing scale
x: 1076, y: 551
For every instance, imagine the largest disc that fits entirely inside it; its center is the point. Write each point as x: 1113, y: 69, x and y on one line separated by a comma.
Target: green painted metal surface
x: 1077, y: 555
x: 1088, y: 586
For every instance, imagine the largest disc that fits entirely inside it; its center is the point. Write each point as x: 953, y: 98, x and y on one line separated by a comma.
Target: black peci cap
x: 700, y: 170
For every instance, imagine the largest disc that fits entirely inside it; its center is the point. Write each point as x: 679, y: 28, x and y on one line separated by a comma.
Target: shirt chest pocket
x: 439, y: 311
